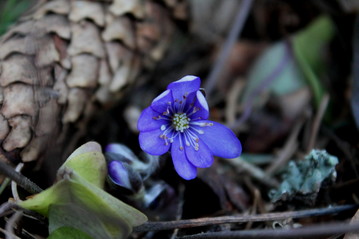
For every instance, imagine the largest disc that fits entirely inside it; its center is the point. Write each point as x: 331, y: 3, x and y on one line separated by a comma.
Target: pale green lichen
x: 303, y: 179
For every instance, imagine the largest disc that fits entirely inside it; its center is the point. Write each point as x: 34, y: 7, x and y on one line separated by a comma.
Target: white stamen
x: 180, y: 141
x: 178, y: 123
x: 202, y: 124
x: 197, y: 130
x: 191, y: 139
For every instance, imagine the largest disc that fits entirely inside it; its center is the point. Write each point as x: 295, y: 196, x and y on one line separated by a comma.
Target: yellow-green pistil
x: 180, y: 122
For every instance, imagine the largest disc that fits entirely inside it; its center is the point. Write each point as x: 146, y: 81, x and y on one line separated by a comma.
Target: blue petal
x: 113, y: 148
x: 151, y: 143
x: 201, y: 158
x: 201, y: 105
x: 183, y: 167
x: 119, y: 174
x: 184, y: 86
x: 221, y: 141
x: 121, y: 151
x: 161, y: 102
x: 146, y: 122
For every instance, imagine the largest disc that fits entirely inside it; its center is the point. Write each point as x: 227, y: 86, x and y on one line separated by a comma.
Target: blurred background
x: 283, y: 75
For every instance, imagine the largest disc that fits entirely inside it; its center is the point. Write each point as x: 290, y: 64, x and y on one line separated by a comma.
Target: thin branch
x: 289, y: 148
x: 20, y: 179
x: 237, y: 27
x: 7, y: 234
x: 254, y: 172
x: 232, y: 101
x: 265, y: 83
x: 8, y: 207
x: 170, y: 225
x: 179, y: 209
x: 313, y: 231
x: 317, y: 120
x: 10, y: 225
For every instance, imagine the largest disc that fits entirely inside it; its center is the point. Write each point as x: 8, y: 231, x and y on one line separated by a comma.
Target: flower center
x: 180, y: 121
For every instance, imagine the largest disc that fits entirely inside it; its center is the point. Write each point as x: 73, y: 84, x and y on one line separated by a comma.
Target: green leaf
x: 68, y: 233
x: 275, y: 71
x: 308, y: 48
x: 88, y: 162
x: 41, y: 202
x: 288, y: 66
x: 76, y: 217
x: 77, y: 197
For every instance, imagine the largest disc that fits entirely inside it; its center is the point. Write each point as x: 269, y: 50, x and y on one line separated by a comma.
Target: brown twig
x: 9, y: 207
x: 257, y: 198
x: 237, y: 27
x: 6, y: 208
x: 7, y: 234
x: 265, y: 84
x: 288, y: 149
x: 179, y: 209
x: 170, y: 225
x: 254, y: 171
x: 10, y: 225
x: 317, y: 120
x: 313, y: 231
x: 232, y: 102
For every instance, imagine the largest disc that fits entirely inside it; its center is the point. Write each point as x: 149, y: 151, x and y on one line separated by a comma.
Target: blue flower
x: 176, y: 121
x: 125, y: 169
x: 119, y: 174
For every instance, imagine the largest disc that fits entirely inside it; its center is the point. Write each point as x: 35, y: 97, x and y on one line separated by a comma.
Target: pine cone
x: 68, y: 59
